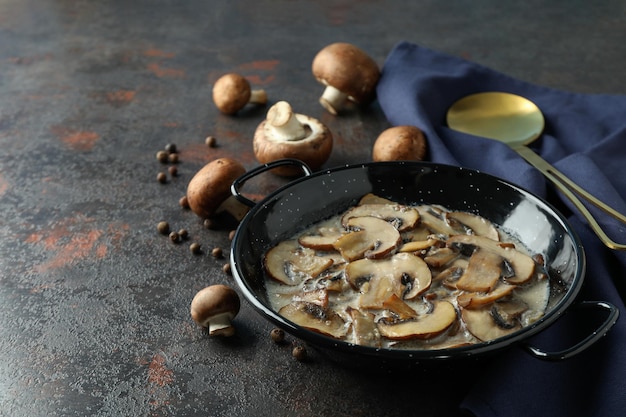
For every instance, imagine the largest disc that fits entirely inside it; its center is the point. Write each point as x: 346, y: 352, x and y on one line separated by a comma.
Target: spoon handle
x: 569, y: 188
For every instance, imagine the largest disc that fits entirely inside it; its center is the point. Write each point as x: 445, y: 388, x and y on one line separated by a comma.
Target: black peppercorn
x: 170, y: 148
x: 161, y: 177
x: 163, y: 227
x: 299, y: 352
x: 195, y: 248
x: 162, y: 156
x: 277, y: 335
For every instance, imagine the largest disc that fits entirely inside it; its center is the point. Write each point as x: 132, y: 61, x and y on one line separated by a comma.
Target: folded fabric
x: 585, y: 138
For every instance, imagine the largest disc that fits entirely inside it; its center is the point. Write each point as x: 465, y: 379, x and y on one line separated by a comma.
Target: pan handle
x: 238, y: 183
x: 613, y: 314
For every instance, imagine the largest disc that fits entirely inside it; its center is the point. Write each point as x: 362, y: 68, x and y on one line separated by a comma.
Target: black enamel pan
x: 318, y: 196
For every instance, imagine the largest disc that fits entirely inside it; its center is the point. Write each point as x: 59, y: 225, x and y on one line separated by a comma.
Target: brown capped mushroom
x: 348, y: 74
x: 231, y: 93
x: 400, y: 143
x: 208, y: 192
x: 214, y: 307
x: 286, y: 134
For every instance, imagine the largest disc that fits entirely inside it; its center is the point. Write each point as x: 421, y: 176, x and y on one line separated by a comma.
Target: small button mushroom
x: 285, y: 134
x: 348, y: 74
x: 208, y: 192
x: 400, y: 143
x: 214, y: 307
x: 232, y: 92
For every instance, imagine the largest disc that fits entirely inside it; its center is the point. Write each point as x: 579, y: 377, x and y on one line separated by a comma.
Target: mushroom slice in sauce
x: 424, y: 327
x: 434, y: 219
x: 290, y: 263
x: 478, y: 225
x: 438, y: 257
x: 319, y: 297
x: 522, y: 264
x: 372, y: 237
x: 481, y: 324
x: 477, y: 300
x: 316, y: 318
x: 482, y: 273
x: 364, y: 328
x: 507, y: 314
x: 401, y: 217
x: 401, y: 309
x: 410, y: 274
x: 371, y: 198
x: 323, y: 240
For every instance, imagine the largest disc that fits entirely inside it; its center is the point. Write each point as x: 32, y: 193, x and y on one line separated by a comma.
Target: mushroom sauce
x: 387, y: 275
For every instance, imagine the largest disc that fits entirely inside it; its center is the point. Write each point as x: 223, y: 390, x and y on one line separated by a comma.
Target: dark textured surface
x: 94, y: 303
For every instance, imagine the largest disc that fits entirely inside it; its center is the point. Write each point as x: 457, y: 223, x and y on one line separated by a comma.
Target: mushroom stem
x: 220, y: 325
x: 332, y: 99
x: 258, y: 97
x: 234, y: 207
x: 284, y: 124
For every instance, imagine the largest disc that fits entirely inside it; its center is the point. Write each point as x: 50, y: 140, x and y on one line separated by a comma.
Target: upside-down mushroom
x: 286, y: 134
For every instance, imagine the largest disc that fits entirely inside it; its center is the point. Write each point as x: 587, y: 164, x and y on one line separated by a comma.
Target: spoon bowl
x: 517, y: 122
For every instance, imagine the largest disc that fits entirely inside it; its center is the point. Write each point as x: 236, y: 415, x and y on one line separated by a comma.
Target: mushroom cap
x: 400, y: 143
x: 212, y: 301
x: 313, y: 150
x: 210, y: 187
x: 349, y: 69
x: 231, y: 92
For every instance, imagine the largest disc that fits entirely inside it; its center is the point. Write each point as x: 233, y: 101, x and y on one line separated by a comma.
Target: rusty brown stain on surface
x: 268, y: 65
x: 120, y: 97
x: 258, y: 80
x: 4, y: 185
x: 158, y: 373
x: 171, y: 124
x: 79, y: 140
x: 74, y: 239
x: 162, y: 72
x: 157, y: 53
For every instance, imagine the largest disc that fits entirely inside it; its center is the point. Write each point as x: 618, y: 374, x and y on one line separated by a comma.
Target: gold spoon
x: 517, y: 121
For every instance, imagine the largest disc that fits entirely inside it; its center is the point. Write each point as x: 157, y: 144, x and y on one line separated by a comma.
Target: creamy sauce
x: 331, y: 289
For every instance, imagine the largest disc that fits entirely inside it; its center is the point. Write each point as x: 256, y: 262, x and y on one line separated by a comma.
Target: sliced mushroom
x: 400, y: 309
x: 477, y: 300
x: 316, y: 318
x: 377, y: 290
x: 401, y: 217
x: 436, y: 222
x: 477, y: 224
x: 507, y: 314
x: 419, y: 245
x: 364, y: 328
x: 424, y: 327
x: 291, y: 264
x: 323, y: 240
x: 482, y: 273
x: 522, y: 264
x: 439, y: 257
x: 481, y: 324
x: 409, y: 273
x: 319, y: 297
x: 371, y: 198
x: 372, y: 237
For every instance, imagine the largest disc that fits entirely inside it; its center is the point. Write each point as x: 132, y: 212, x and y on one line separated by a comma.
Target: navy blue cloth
x: 585, y: 138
